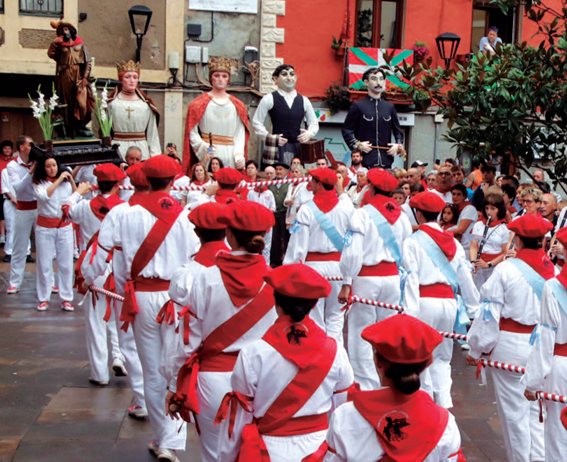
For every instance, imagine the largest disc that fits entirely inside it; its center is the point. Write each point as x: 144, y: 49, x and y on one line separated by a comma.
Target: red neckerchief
x: 225, y: 196
x: 408, y: 427
x: 101, y: 205
x: 443, y: 239
x: 161, y: 205
x: 539, y: 261
x: 242, y: 275
x: 135, y: 199
x: 493, y: 223
x: 260, y: 189
x: 512, y: 209
x: 6, y: 159
x: 297, y: 342
x: 462, y: 205
x: 387, y: 207
x: 326, y: 200
x: 562, y: 277
x: 207, y: 254
x: 442, y: 190
x: 51, y: 180
x: 77, y: 41
x: 198, y: 183
x: 359, y: 187
x: 352, y: 170
x: 346, y: 181
x: 446, y: 226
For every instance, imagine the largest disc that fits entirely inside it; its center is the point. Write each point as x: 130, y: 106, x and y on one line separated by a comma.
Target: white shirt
x: 50, y: 207
x: 423, y: 271
x: 265, y: 198
x: 82, y: 214
x: 468, y: 213
x: 447, y: 197
x: 267, y: 103
x: 7, y: 187
x: 181, y: 181
x: 496, y: 237
x: 409, y: 213
x: 21, y: 180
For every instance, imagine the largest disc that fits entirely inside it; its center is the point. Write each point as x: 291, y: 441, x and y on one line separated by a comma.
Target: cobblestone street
x: 50, y: 412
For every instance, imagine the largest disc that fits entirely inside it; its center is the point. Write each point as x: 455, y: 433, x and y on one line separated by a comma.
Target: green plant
x: 338, y: 98
x: 44, y: 113
x: 364, y: 29
x: 101, y: 110
x: 336, y: 43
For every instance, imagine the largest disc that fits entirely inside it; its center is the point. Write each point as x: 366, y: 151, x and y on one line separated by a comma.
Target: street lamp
x: 447, y: 45
x: 140, y: 16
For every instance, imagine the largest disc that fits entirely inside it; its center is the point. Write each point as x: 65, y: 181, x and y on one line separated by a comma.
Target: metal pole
x: 139, y: 38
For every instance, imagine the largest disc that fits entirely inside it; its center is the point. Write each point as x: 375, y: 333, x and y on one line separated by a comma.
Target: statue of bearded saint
x: 371, y: 122
x: 72, y: 78
x: 216, y: 123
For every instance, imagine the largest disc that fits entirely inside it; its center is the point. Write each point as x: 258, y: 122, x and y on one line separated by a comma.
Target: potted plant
x: 101, y: 114
x: 420, y: 51
x: 339, y: 46
x: 44, y: 115
x: 338, y: 98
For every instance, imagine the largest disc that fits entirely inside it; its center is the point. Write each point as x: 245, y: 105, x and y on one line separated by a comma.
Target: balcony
x: 40, y: 7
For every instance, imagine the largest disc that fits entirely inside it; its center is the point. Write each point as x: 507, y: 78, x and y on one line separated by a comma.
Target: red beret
x: 402, y: 339
x: 564, y: 417
x: 161, y: 166
x: 207, y: 215
x: 325, y: 175
x: 382, y: 179
x: 529, y: 225
x: 108, y: 172
x: 248, y: 216
x: 228, y: 175
x: 298, y: 280
x: 427, y: 201
x: 561, y: 236
x: 137, y: 175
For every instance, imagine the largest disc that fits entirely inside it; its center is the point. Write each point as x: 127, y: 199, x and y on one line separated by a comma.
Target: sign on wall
x: 362, y: 59
x: 228, y: 6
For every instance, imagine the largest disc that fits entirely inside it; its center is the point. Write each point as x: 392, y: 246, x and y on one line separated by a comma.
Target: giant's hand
x: 239, y: 161
x: 365, y: 146
x: 395, y: 149
x: 305, y: 136
x: 281, y: 140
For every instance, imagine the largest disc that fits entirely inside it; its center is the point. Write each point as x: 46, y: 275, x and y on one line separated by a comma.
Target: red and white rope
x: 365, y: 301
x: 333, y: 278
x: 107, y: 293
x: 243, y: 183
x: 552, y: 397
x: 503, y: 366
x: 454, y: 336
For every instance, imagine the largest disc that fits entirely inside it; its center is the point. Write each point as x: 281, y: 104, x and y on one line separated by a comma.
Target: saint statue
x: 72, y: 79
x: 370, y: 122
x: 135, y: 117
x: 288, y: 110
x: 216, y: 123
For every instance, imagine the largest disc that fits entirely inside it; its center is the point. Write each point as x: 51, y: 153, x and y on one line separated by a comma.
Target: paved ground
x: 50, y: 412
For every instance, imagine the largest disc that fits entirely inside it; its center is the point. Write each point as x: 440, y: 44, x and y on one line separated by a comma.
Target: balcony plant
x: 338, y: 98
x: 339, y: 46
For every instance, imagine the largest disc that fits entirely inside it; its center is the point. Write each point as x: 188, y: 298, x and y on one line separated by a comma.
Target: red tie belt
x: 382, y: 269
x: 437, y: 290
x: 321, y: 256
x: 47, y: 222
x: 487, y: 257
x: 138, y: 284
x: 509, y: 325
x: 560, y: 349
x: 26, y: 205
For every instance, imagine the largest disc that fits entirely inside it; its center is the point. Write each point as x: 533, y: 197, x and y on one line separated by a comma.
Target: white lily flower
x: 53, y: 102
x: 103, y: 116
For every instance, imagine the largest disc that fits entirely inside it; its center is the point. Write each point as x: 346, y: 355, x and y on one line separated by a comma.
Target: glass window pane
x: 478, y: 28
x: 388, y: 24
x: 364, y: 25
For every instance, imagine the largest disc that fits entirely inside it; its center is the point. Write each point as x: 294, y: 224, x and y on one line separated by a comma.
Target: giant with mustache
x: 371, y: 121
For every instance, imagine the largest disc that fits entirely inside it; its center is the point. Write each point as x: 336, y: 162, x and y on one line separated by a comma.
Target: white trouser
x: 327, y: 313
x: 439, y: 313
x: 293, y: 448
x: 521, y: 430
x: 555, y: 433
x: 211, y: 388
x: 130, y: 354
x: 360, y: 353
x: 150, y: 337
x: 9, y: 217
x: 23, y: 223
x: 268, y: 247
x: 99, y: 334
x: 46, y: 241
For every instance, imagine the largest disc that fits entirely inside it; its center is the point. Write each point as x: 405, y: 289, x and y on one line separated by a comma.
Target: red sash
x: 79, y: 279
x: 101, y: 205
x: 315, y: 360
x: 408, y: 427
x: 217, y: 341
x: 166, y: 210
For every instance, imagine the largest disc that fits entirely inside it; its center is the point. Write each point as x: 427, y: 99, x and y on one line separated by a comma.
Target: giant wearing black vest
x: 287, y: 121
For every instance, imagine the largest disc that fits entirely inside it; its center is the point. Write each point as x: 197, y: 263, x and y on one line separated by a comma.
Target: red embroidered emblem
x: 392, y: 423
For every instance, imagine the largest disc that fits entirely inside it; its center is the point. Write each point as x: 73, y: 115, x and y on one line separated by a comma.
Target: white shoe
x: 118, y: 368
x: 139, y: 412
x: 13, y: 290
x: 54, y: 290
x: 42, y: 306
x: 98, y: 382
x: 465, y: 346
x: 67, y: 306
x: 167, y: 454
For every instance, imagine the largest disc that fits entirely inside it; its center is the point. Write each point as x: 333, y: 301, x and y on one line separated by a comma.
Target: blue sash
x: 327, y: 226
x: 386, y: 233
x: 535, y: 281
x: 560, y: 293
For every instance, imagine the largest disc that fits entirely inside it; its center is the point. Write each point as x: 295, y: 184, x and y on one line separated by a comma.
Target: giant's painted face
x: 286, y: 80
x: 376, y: 84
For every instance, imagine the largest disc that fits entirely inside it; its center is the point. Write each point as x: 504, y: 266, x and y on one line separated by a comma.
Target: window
x: 42, y: 7
x: 1, y: 6
x: 485, y: 15
x: 379, y: 23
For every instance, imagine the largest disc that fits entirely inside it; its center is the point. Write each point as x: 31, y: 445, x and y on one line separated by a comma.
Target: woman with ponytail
x: 397, y: 422
x: 285, y: 384
x: 229, y: 306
